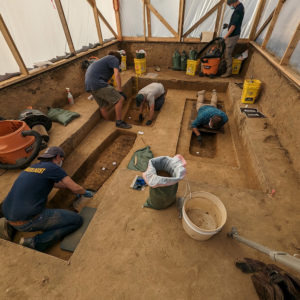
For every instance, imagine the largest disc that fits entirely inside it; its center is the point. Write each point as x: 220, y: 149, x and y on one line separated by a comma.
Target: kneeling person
x: 25, y: 205
x: 208, y: 115
x: 154, y: 95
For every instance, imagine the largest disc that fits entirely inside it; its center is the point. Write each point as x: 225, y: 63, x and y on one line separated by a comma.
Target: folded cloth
x: 140, y: 159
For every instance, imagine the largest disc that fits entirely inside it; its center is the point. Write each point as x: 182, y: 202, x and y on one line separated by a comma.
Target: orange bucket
x: 210, y: 66
x: 13, y: 145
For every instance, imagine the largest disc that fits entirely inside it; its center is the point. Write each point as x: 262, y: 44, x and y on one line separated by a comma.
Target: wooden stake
x: 65, y: 25
x: 263, y: 26
x: 273, y: 22
x: 210, y: 12
x: 95, y: 10
x: 162, y: 20
x: 181, y: 18
x: 12, y: 46
x: 257, y: 17
x: 291, y: 47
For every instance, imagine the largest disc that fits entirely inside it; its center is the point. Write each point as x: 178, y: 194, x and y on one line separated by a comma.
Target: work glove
x: 124, y: 95
x: 141, y: 118
x: 149, y: 122
x: 88, y: 194
x: 199, y: 139
x: 225, y: 26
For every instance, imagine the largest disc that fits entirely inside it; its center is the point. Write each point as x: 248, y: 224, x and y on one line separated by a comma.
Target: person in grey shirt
x: 154, y: 96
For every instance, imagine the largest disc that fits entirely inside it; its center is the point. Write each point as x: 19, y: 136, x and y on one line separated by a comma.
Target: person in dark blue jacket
x: 208, y: 115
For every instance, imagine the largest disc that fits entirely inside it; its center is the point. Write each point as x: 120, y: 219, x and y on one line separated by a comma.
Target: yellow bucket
x: 236, y: 66
x: 113, y: 81
x: 250, y: 90
x: 191, y: 67
x: 140, y: 65
x: 123, y: 63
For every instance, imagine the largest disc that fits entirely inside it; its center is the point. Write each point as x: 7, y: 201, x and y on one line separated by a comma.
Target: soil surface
x: 202, y: 219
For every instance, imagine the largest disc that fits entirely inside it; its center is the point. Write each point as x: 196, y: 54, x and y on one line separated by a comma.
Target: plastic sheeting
x: 107, y: 10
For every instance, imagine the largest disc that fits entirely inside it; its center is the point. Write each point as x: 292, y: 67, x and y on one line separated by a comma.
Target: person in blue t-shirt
x: 208, y: 115
x: 233, y: 34
x: 24, y: 207
x: 96, y: 82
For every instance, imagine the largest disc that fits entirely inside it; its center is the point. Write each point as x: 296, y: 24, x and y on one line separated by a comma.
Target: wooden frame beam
x: 95, y: 11
x: 161, y: 19
x: 218, y: 18
x: 144, y: 19
x: 273, y: 22
x: 118, y: 20
x: 291, y: 47
x: 202, y: 19
x: 257, y: 17
x: 221, y: 18
x: 65, y: 25
x: 12, y: 46
x: 104, y: 20
x: 148, y: 18
x: 263, y: 26
x: 181, y: 18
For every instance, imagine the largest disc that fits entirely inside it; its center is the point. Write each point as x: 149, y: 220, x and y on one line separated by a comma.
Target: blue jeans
x: 55, y: 224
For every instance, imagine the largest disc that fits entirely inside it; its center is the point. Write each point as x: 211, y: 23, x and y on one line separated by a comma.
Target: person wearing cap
x: 154, y: 95
x: 96, y: 82
x: 233, y: 34
x: 24, y: 208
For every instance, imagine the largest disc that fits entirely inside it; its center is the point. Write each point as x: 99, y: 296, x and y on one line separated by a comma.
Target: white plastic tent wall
x: 37, y: 31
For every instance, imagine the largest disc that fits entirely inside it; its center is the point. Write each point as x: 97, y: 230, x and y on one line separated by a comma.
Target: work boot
x: 27, y: 242
x: 141, y: 118
x: 6, y: 230
x: 122, y: 124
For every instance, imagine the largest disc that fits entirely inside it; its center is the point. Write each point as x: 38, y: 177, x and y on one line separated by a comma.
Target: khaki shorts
x: 106, y: 96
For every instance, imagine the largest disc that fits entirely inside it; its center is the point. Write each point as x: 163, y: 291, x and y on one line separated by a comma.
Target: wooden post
x: 257, y: 17
x: 95, y: 10
x: 12, y: 46
x: 221, y: 18
x: 148, y: 18
x: 263, y: 26
x: 273, y: 22
x: 104, y: 20
x: 210, y: 12
x: 65, y: 25
x: 144, y: 19
x: 217, y: 20
x: 162, y: 20
x: 291, y: 47
x: 181, y: 18
x: 118, y: 21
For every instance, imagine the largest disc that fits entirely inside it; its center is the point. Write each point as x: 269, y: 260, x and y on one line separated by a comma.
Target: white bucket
x: 205, y: 210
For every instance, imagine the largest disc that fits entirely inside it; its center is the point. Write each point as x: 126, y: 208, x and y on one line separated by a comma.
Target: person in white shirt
x: 154, y: 95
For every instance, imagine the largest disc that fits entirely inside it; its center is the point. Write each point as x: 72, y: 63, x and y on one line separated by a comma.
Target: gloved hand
x: 225, y: 26
x: 141, y: 118
x: 199, y: 139
x: 149, y: 122
x: 124, y: 95
x: 88, y: 194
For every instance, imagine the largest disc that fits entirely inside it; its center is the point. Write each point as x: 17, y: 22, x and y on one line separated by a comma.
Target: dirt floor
x: 130, y: 252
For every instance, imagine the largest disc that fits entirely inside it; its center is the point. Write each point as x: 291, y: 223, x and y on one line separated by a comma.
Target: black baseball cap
x: 52, y: 152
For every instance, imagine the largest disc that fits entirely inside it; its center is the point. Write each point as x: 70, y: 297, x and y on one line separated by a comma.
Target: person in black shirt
x: 233, y: 34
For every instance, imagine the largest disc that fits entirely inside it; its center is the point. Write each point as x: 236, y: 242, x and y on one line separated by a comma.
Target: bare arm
x: 151, y: 112
x: 231, y: 29
x: 59, y: 185
x: 68, y: 183
x: 196, y: 131
x: 118, y: 79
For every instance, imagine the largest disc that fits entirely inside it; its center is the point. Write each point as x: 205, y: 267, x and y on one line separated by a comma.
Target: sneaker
x: 6, y: 230
x: 27, y: 242
x: 201, y: 93
x: 122, y: 124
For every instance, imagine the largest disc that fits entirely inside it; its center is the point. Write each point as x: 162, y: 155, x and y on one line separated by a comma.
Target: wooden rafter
x: 104, y: 20
x: 257, y: 17
x: 291, y: 47
x: 118, y: 21
x: 65, y: 25
x: 263, y: 26
x: 144, y: 19
x: 181, y: 18
x: 161, y: 19
x: 221, y: 18
x: 273, y: 22
x: 95, y: 11
x: 12, y: 46
x: 202, y: 19
x: 218, y: 20
x: 148, y: 18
